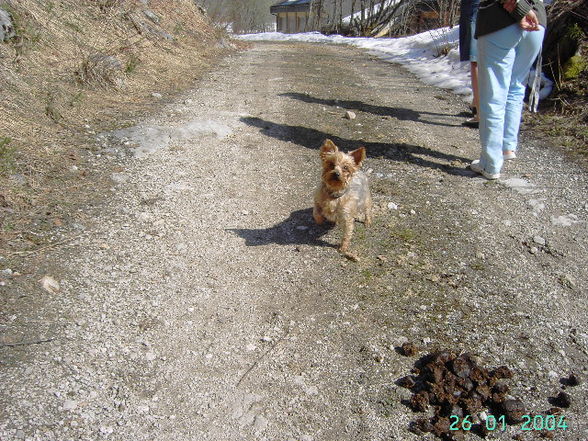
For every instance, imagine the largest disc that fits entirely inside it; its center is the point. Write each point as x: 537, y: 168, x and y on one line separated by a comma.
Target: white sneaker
x: 475, y: 166
x: 509, y: 155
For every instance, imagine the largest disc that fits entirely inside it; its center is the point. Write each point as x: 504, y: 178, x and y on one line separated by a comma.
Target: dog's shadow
x: 298, y: 229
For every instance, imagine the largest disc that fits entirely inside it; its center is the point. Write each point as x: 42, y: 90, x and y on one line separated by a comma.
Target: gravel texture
x: 197, y: 300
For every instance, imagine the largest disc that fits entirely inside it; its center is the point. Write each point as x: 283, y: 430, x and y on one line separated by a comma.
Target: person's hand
x: 509, y: 5
x: 530, y: 22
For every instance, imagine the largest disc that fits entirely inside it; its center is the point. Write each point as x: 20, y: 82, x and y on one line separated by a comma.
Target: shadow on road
x: 400, y: 152
x: 298, y: 229
x: 393, y: 112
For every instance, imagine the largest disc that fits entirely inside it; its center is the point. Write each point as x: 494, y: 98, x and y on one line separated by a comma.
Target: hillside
x: 70, y: 69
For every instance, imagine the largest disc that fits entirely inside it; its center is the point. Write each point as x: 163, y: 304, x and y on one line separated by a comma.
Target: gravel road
x: 197, y: 300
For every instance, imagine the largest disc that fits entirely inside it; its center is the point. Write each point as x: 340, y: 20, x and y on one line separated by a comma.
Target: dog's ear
x: 328, y: 147
x: 358, y: 155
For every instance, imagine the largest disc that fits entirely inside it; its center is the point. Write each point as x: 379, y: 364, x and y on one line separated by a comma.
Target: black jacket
x: 492, y: 16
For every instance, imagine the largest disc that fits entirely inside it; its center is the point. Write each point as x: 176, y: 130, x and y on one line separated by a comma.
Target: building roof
x: 291, y: 6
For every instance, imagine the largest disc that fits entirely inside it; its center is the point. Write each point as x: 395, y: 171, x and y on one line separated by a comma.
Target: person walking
x: 468, y: 52
x: 510, y: 35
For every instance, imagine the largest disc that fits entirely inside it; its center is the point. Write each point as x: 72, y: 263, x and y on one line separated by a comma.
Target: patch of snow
x: 520, y: 185
x: 147, y: 139
x: 565, y: 220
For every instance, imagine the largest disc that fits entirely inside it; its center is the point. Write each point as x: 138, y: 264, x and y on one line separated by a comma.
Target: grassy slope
x: 58, y: 90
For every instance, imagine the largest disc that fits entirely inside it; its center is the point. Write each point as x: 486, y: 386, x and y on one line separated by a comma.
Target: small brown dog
x: 343, y: 194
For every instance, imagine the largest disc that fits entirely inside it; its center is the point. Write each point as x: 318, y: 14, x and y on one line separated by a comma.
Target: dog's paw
x: 349, y: 255
x: 317, y: 216
x: 352, y: 257
x: 319, y: 219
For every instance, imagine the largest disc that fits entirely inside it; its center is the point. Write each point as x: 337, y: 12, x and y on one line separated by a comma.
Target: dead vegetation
x: 102, y: 70
x: 564, y: 114
x: 72, y: 69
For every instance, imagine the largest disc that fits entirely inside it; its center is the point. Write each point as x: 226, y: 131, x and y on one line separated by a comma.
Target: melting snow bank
x: 143, y: 139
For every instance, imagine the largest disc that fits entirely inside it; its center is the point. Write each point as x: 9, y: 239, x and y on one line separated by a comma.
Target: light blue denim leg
x: 504, y: 60
x: 526, y: 53
x: 496, y: 56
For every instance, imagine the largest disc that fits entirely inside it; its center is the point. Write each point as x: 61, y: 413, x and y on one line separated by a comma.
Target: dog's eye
x: 346, y: 168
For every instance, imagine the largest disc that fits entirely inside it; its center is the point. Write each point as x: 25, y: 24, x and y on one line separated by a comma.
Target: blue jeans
x: 473, y: 41
x: 504, y: 60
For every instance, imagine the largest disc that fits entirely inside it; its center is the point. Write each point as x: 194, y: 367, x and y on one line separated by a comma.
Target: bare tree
x: 447, y: 10
x: 377, y: 15
x: 240, y: 15
x: 399, y: 17
x: 368, y: 17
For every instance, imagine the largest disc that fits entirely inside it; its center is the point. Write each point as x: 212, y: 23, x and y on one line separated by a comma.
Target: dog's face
x: 339, y: 167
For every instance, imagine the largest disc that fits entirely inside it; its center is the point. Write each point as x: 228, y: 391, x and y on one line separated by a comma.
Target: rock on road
x: 199, y: 301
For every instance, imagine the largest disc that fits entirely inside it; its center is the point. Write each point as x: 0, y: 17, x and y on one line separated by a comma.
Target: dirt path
x: 201, y: 303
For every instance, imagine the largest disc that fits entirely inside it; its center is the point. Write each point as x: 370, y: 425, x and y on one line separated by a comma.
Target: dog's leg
x: 348, y: 224
x: 317, y: 214
x: 368, y: 214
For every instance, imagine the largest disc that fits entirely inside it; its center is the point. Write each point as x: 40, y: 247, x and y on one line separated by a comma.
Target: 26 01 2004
x: 530, y: 422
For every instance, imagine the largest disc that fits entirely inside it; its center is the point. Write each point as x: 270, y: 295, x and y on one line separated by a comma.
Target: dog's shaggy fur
x: 343, y: 194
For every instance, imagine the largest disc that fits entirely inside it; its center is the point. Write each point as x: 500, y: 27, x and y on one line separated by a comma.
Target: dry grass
x: 564, y: 114
x: 564, y: 117
x: 78, y: 64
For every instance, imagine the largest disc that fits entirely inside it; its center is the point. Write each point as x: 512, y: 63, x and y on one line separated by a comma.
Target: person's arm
x: 530, y: 22
x: 521, y: 11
